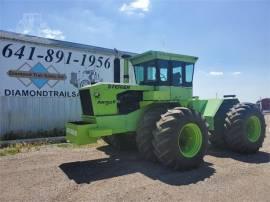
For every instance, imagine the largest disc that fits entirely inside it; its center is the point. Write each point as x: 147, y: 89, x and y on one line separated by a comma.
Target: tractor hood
x: 109, y: 86
x: 106, y: 98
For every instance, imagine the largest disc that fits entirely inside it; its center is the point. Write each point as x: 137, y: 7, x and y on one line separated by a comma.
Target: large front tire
x: 244, y: 128
x: 145, y: 129
x: 181, y: 139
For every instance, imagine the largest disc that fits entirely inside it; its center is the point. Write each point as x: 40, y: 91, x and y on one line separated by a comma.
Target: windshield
x: 164, y: 73
x: 146, y: 73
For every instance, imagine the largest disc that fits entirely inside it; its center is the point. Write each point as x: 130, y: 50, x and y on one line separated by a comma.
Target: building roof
x: 59, y: 43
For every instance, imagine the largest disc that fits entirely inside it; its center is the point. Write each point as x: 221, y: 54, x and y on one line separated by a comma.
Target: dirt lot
x: 101, y: 174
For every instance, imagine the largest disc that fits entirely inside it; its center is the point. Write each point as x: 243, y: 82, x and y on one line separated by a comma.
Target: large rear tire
x: 181, y: 139
x: 144, y: 131
x: 244, y: 128
x: 217, y: 135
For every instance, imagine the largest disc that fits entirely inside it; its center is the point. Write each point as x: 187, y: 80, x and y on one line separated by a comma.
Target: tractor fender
x: 209, y: 108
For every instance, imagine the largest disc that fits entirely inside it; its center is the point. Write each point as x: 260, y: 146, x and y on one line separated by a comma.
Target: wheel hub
x: 253, y: 128
x: 190, y: 140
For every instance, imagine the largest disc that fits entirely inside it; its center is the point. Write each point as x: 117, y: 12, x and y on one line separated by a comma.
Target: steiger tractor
x: 160, y: 116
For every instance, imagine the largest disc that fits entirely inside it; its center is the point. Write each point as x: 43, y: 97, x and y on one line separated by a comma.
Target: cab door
x: 181, y: 80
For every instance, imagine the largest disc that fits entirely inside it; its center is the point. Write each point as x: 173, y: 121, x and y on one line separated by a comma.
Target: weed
x: 18, y: 148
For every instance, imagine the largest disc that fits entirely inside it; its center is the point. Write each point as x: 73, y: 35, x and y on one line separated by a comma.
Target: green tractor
x: 160, y: 116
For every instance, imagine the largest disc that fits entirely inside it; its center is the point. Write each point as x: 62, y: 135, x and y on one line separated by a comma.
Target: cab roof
x: 151, y: 55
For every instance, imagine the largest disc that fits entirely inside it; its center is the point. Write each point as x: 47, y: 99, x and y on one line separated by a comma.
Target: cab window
x: 139, y: 74
x: 189, y: 72
x: 163, y: 71
x: 177, y: 70
x: 151, y: 73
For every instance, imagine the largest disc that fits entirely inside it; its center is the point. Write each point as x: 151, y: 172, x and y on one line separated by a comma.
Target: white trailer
x: 39, y: 81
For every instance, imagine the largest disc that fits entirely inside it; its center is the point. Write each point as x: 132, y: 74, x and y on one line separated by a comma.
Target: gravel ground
x: 101, y: 174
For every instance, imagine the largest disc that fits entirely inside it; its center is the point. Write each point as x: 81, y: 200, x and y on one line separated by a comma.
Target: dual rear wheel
x: 242, y: 129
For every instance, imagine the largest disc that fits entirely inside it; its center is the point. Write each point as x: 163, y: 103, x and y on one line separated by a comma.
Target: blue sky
x: 230, y: 37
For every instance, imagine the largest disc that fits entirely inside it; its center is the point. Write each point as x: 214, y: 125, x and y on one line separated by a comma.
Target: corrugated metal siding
x: 37, y: 113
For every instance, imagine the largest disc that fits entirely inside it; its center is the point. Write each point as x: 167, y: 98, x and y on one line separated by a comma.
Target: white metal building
x: 39, y: 80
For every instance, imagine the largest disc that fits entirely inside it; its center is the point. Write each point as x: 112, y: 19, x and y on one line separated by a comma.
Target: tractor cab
x: 156, y: 68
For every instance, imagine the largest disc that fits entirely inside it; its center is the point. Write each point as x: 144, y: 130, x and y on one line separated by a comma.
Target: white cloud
x: 236, y: 73
x: 216, y: 73
x: 136, y: 7
x: 87, y: 26
x: 33, y: 24
x: 52, y: 33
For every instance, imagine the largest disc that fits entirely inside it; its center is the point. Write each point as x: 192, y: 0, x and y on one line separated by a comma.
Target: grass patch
x: 65, y: 145
x: 9, y: 151
x: 18, y: 148
x: 27, y: 147
x: 74, y: 146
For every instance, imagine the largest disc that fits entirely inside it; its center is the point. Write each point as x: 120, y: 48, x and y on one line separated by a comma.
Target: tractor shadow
x: 256, y: 158
x: 128, y: 162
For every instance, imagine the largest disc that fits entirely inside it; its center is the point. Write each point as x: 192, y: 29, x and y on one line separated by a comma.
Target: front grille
x: 86, y: 102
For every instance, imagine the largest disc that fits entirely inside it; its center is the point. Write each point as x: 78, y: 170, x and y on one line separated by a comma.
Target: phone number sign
x: 36, y: 67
